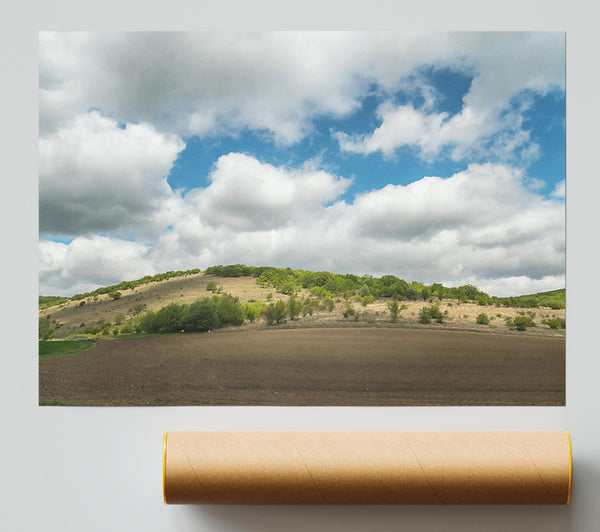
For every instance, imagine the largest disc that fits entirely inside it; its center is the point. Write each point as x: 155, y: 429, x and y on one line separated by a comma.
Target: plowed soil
x: 361, y: 366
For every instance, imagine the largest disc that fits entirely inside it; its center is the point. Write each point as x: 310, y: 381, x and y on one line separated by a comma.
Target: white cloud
x: 200, y: 83
x: 401, y: 126
x: 480, y: 196
x: 486, y: 223
x: 247, y: 195
x: 472, y: 132
x: 87, y: 263
x: 505, y: 69
x: 521, y: 285
x: 279, y: 82
x: 484, y: 226
x: 559, y: 190
x: 97, y: 177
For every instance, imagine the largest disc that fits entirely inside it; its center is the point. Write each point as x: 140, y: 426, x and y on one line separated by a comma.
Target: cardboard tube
x: 367, y: 467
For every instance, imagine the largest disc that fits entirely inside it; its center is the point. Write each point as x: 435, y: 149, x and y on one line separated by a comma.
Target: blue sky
x: 434, y: 157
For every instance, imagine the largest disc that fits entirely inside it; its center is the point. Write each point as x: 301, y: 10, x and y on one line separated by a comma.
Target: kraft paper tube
x: 367, y: 467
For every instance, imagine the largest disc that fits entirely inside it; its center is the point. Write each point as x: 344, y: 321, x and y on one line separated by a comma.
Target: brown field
x: 323, y: 366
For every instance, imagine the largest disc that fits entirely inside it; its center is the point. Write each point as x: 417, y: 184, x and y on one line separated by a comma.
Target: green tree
x: 138, y: 308
x: 433, y: 312
x: 212, y: 287
x: 147, y: 322
x: 520, y: 323
x: 328, y: 303
x: 119, y: 318
x: 280, y: 311
x: 200, y: 316
x: 555, y: 323
x: 350, y: 311
x: 169, y: 318
x: 309, y: 306
x: 275, y: 312
x: 482, y: 319
x: 229, y: 311
x: 393, y: 306
x: 411, y: 294
x: 115, y: 295
x: 294, y: 307
x: 45, y: 331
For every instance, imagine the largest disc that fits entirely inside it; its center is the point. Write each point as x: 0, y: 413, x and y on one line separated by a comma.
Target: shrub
x: 45, y: 329
x: 137, y: 309
x: 126, y: 329
x: 350, y: 311
x: 556, y: 323
x: 520, y: 322
x: 212, y: 287
x: 411, y: 294
x: 294, y: 307
x: 309, y: 306
x: 482, y: 319
x: 275, y: 312
x: 169, y: 318
x: 119, y: 318
x: 394, y: 307
x: 251, y: 311
x: 115, y: 331
x: 115, y: 295
x: 147, y: 322
x: 365, y: 300
x: 328, y: 304
x: 433, y: 312
x: 229, y: 311
x: 92, y: 330
x: 200, y: 316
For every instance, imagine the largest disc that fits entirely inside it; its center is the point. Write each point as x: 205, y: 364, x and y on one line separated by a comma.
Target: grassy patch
x: 59, y: 348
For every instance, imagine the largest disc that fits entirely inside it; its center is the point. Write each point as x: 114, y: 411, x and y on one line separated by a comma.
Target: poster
x: 302, y: 218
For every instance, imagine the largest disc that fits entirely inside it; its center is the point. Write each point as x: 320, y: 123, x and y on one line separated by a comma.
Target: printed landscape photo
x: 302, y: 218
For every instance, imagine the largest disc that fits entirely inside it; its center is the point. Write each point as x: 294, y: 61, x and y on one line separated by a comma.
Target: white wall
x: 97, y: 469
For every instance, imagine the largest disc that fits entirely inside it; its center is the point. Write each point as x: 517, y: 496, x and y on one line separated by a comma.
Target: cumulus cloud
x: 484, y: 226
x: 480, y: 196
x: 97, y: 176
x: 279, y: 82
x: 471, y: 132
x: 506, y: 69
x: 559, y: 190
x: 114, y: 108
x: 521, y: 285
x: 247, y: 195
x: 87, y: 263
x: 199, y: 83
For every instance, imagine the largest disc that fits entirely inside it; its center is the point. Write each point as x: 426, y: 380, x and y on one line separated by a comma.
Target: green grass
x: 59, y: 348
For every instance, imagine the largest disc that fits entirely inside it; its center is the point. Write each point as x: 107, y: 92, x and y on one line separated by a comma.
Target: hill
x: 251, y: 297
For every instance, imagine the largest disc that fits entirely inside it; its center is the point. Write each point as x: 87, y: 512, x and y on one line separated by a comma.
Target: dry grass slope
x: 73, y: 317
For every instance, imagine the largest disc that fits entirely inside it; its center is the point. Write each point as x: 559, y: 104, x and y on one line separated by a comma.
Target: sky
x: 436, y: 157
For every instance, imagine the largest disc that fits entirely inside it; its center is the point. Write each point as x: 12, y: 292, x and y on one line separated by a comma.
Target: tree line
x: 326, y: 284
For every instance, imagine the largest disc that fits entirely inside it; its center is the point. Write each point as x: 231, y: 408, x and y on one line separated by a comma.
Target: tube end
x: 570, y: 467
x: 164, y: 467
